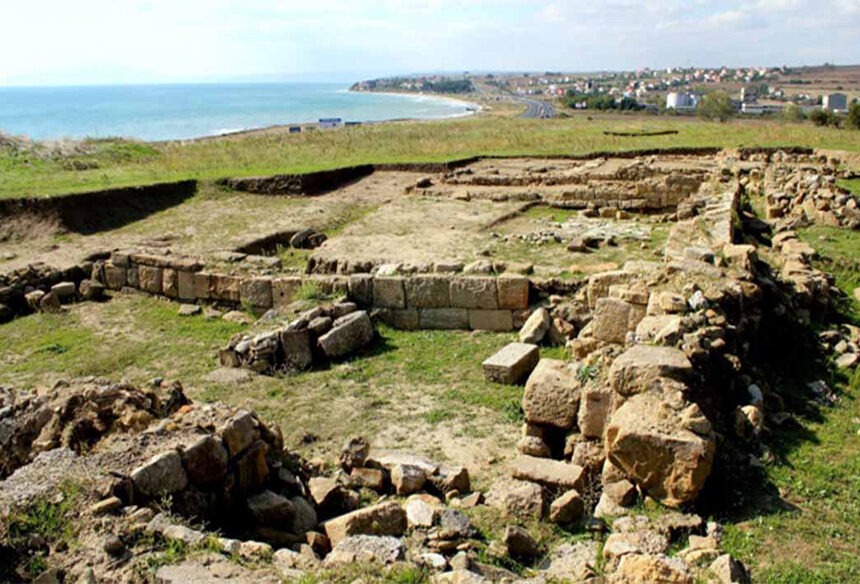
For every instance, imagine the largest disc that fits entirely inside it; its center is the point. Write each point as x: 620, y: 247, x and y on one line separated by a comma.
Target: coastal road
x: 537, y: 109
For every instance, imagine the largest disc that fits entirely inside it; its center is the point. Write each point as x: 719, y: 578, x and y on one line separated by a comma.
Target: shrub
x: 716, y: 105
x: 853, y: 118
x: 793, y: 113
x: 822, y: 117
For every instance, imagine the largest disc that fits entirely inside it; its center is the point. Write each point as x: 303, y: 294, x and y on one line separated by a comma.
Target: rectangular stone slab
x: 512, y: 363
x: 548, y: 472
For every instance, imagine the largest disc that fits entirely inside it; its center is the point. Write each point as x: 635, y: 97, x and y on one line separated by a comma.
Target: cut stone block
x: 225, y: 288
x: 444, y: 318
x: 513, y: 292
x: 547, y: 472
x: 256, y: 292
x: 595, y: 408
x: 405, y: 319
x: 149, y: 279
x: 388, y: 292
x: 512, y: 363
x: 297, y: 349
x: 115, y: 277
x: 284, y: 291
x: 474, y: 293
x: 611, y: 319
x: 185, y: 281
x: 202, y: 283
x: 599, y: 284
x: 491, y: 320
x: 170, y: 283
x: 428, y: 292
x: 349, y: 333
x: 360, y: 288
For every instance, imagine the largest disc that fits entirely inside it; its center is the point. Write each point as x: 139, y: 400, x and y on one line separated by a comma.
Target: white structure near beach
x: 682, y: 102
x: 835, y: 102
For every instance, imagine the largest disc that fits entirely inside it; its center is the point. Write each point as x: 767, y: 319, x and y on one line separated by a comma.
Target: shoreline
x: 315, y: 125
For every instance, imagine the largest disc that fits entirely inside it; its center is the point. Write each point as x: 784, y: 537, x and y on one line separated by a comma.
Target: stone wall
x: 317, y: 183
x: 420, y: 301
x: 445, y: 301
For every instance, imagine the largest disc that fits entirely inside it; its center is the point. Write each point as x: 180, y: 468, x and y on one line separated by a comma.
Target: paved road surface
x: 537, y: 109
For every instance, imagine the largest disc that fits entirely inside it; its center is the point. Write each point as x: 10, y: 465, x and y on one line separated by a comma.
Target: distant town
x: 750, y: 91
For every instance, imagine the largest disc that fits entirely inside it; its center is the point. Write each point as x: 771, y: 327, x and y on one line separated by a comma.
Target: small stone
x: 533, y: 446
x: 255, y: 550
x: 419, y: 513
x: 407, y: 478
x: 109, y: 505
x: 567, y: 509
x: 519, y: 543
x: 189, y: 310
x: 355, y: 452
x: 113, y: 546
x: 237, y: 317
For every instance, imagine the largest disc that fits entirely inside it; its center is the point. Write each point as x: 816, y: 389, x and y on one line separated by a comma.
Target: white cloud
x: 109, y: 40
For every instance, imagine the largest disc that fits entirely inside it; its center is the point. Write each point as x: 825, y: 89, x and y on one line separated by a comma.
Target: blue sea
x: 171, y: 112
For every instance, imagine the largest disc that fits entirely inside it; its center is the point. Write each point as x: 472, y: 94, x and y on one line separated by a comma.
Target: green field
x: 104, y: 163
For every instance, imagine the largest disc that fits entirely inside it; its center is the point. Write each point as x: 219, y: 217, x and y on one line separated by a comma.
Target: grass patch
x: 48, y: 520
x: 809, y: 533
x: 111, y: 163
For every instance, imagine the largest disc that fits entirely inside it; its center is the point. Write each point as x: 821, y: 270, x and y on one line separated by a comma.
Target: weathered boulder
x: 354, y: 549
x: 272, y: 509
x: 407, y: 478
x: 646, y: 439
x: 205, y: 461
x: 575, y: 562
x: 348, y: 334
x: 727, y: 570
x: 520, y: 543
x: 536, y: 327
x: 641, y: 367
x: 239, y: 432
x: 520, y: 499
x: 91, y: 290
x: 552, y: 394
x: 355, y: 452
x: 567, y: 509
x: 644, y: 541
x: 661, y: 329
x: 383, y: 519
x: 163, y: 474
x: 421, y: 512
x: 647, y: 569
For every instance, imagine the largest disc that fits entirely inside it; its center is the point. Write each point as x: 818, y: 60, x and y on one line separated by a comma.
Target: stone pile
x: 39, y: 288
x: 77, y: 419
x: 800, y: 196
x: 811, y: 286
x: 322, y: 333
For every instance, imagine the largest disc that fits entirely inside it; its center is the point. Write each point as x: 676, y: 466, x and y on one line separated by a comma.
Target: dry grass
x: 122, y: 163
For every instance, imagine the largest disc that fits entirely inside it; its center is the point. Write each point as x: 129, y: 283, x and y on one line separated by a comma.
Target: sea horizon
x: 183, y: 111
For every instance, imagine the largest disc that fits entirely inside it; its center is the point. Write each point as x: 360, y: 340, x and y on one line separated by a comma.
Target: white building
x: 682, y: 102
x: 836, y: 102
x: 760, y: 109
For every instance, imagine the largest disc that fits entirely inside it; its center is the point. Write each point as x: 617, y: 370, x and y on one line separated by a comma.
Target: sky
x: 58, y: 42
